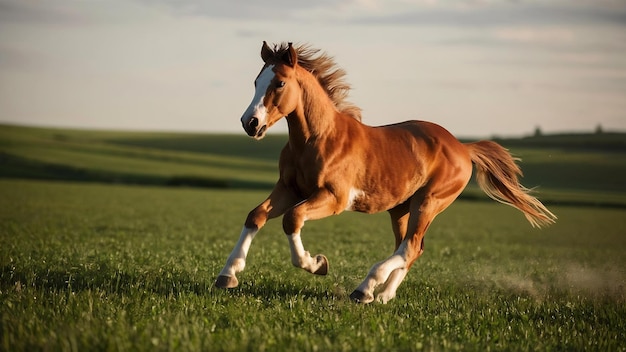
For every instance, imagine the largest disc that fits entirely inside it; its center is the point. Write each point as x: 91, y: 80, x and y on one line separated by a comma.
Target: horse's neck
x: 315, y: 116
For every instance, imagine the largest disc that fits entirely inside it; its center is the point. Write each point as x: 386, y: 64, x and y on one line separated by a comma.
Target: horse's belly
x: 386, y: 191
x: 373, y: 202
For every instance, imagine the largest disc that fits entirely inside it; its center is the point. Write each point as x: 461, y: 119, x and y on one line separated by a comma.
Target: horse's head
x: 276, y: 91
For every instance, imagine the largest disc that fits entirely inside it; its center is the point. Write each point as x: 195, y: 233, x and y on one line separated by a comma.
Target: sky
x: 479, y: 68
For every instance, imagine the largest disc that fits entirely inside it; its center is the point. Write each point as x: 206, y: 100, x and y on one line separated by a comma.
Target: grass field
x: 104, y: 267
x: 96, y: 255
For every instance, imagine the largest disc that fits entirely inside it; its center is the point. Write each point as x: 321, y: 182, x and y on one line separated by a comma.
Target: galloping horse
x: 333, y: 162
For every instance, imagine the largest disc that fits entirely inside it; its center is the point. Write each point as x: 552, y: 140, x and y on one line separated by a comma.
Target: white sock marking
x: 300, y: 257
x: 237, y: 258
x: 379, y: 274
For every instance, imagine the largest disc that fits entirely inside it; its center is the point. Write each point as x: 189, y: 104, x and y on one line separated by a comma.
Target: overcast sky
x: 477, y: 67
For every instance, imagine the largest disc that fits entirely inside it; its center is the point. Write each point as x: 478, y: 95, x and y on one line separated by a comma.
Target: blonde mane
x: 329, y: 76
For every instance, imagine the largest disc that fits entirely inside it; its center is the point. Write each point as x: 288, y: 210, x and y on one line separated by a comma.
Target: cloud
x: 71, y: 13
x: 528, y: 34
x: 449, y: 13
x: 503, y: 13
x: 240, y: 9
x: 362, y: 12
x: 41, y: 12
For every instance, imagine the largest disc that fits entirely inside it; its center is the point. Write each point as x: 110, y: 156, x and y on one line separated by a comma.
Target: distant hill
x: 167, y: 159
x: 232, y: 145
x: 587, y: 165
x: 605, y: 141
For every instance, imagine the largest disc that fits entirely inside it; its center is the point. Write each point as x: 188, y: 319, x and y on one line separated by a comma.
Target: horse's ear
x: 266, y: 53
x: 290, y: 57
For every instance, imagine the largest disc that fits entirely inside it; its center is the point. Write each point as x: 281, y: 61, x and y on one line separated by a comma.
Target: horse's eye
x: 280, y: 84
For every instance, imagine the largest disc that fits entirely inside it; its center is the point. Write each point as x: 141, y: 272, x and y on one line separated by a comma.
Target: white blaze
x: 256, y: 108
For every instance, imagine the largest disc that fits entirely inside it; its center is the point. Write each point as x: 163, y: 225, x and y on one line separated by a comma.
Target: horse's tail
x: 497, y: 175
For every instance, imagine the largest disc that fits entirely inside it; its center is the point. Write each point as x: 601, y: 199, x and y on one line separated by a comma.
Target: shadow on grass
x: 271, y: 288
x: 167, y: 282
x: 101, y: 277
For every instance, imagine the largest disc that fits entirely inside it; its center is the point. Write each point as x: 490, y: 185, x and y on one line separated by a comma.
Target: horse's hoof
x: 360, y: 297
x: 323, y: 261
x: 226, y: 281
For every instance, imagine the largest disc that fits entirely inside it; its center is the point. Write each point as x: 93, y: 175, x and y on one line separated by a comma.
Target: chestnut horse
x: 333, y: 162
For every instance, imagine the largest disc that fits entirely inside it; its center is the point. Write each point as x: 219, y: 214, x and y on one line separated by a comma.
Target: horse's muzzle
x: 252, y: 128
x: 250, y: 125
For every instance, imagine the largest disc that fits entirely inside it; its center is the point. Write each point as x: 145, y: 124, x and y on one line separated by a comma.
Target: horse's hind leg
x: 391, y: 272
x: 391, y: 285
x: 392, y: 269
x: 399, y: 222
x: 443, y: 188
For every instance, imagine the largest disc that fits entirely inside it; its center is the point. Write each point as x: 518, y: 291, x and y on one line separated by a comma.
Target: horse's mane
x: 329, y: 76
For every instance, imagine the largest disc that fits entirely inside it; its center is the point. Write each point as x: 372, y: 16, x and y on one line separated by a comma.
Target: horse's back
x: 428, y: 139
x: 425, y: 130
x: 443, y: 143
x: 444, y: 154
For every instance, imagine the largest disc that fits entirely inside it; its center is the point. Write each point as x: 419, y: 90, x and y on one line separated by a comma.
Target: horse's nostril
x: 254, y: 122
x: 261, y: 131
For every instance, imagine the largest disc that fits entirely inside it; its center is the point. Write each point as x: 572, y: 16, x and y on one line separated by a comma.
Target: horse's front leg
x: 301, y: 258
x: 320, y: 205
x: 279, y: 200
x: 236, y: 261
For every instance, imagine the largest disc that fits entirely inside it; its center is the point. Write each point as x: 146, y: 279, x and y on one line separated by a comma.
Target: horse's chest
x: 308, y: 176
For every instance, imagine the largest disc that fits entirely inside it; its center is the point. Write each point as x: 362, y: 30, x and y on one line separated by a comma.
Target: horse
x: 333, y: 163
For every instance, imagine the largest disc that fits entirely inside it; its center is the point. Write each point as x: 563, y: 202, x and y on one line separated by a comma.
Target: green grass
x: 112, y: 267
